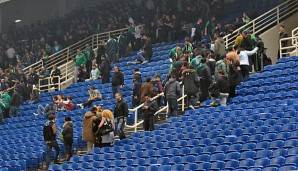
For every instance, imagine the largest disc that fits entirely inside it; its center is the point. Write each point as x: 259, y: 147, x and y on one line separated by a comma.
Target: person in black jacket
x: 105, y: 69
x: 223, y: 87
x: 282, y: 34
x: 49, y: 134
x: 56, y: 73
x: 67, y: 133
x: 117, y: 81
x: 15, y: 103
x: 149, y: 109
x: 233, y: 75
x: 136, y: 91
x: 205, y: 79
x: 32, y: 79
x: 191, y: 86
x: 120, y: 114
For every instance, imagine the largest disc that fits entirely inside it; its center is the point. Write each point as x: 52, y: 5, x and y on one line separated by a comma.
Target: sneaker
x: 144, y: 62
x: 214, y: 104
x: 35, y: 114
x: 191, y: 106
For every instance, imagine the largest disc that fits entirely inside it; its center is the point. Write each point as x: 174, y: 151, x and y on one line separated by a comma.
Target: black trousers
x: 149, y: 123
x: 232, y: 92
x: 68, y: 145
x: 105, y: 79
x: 88, y: 103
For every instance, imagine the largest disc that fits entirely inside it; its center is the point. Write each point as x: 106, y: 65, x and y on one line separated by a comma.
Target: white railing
x: 265, y: 21
x: 290, y: 50
x: 63, y: 58
x: 294, y: 34
x: 135, y: 110
x: 46, y: 84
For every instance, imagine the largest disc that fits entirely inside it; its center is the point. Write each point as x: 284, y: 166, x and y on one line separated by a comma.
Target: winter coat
x: 88, y: 135
x: 190, y: 81
x: 223, y: 84
x: 152, y: 108
x: 6, y: 100
x: 205, y: 74
x: 136, y: 90
x: 233, y: 75
x: 220, y: 66
x: 67, y: 131
x: 219, y: 47
x: 146, y: 88
x: 80, y: 59
x: 105, y: 68
x: 172, y: 89
x: 148, y: 49
x: 121, y: 109
x: 118, y: 79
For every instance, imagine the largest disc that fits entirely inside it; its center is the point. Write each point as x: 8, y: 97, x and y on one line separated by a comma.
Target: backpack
x: 48, y: 134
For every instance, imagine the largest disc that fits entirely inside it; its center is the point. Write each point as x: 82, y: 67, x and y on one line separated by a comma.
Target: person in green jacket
x: 174, y: 51
x: 220, y: 66
x: 6, y: 100
x: 80, y: 62
x: 195, y: 62
x: 1, y: 111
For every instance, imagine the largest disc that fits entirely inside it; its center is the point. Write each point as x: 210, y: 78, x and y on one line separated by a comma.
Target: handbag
x: 106, y: 128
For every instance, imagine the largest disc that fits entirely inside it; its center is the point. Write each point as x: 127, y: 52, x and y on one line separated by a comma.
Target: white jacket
x: 243, y: 55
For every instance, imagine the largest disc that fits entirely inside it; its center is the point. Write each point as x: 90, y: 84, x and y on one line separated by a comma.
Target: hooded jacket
x: 88, y: 135
x: 190, y: 81
x: 67, y: 130
x: 172, y: 89
x: 220, y: 66
x: 219, y: 47
x: 121, y: 109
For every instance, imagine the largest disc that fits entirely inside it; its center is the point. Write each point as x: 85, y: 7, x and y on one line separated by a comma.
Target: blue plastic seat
x: 270, y: 169
x: 231, y: 165
x: 291, y: 161
x: 261, y: 162
x: 277, y: 161
x: 246, y: 164
x: 287, y: 168
x: 247, y: 155
x: 204, y: 166
x: 175, y: 160
x: 232, y: 156
x: 263, y: 154
x: 202, y: 158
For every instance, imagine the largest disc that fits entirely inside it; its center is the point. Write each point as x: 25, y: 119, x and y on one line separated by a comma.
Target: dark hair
x: 67, y: 118
x: 191, y: 67
x: 230, y: 48
x: 93, y: 109
x: 187, y: 51
x: 92, y: 87
x: 52, y: 117
x: 69, y: 97
x: 173, y: 76
x: 136, y: 69
x: 185, y: 63
x: 148, y: 79
x: 148, y: 94
x: 282, y: 26
x: 55, y: 98
x: 203, y: 60
x: 221, y: 72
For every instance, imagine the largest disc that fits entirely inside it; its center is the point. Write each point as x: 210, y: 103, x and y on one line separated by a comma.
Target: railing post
x: 92, y: 42
x: 280, y: 51
x: 97, y: 41
x: 183, y: 103
x: 59, y: 83
x: 67, y: 62
x: 227, y: 41
x: 136, y: 120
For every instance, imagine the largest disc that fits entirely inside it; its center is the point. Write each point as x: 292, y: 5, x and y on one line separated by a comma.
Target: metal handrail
x: 294, y: 33
x: 49, y: 84
x: 135, y: 110
x: 290, y: 49
x: 265, y: 21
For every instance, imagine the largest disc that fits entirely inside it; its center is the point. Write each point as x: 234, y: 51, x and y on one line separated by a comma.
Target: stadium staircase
x: 245, y: 134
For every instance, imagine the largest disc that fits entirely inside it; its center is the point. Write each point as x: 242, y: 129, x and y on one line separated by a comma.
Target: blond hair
x: 107, y: 114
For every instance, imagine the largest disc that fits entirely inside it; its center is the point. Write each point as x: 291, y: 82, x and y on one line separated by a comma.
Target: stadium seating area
x: 257, y: 131
x: 21, y: 137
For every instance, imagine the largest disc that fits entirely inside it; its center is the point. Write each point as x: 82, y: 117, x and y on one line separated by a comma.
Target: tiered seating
x: 257, y: 131
x: 21, y: 138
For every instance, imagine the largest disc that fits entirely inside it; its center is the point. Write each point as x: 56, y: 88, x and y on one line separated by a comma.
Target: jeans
x: 13, y: 112
x: 149, y: 123
x: 222, y: 97
x: 89, y: 102
x: 112, y: 56
x: 192, y: 101
x: 141, y: 57
x: 119, y: 125
x: 40, y: 109
x: 51, y: 145
x: 173, y: 107
x: 76, y: 74
x: 116, y: 89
